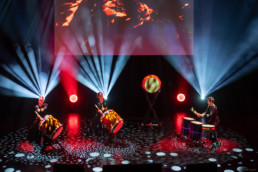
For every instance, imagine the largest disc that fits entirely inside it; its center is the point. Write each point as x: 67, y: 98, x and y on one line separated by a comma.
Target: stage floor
x: 133, y: 144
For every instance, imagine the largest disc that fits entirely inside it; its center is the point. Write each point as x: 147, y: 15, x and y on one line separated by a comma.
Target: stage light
x: 27, y: 77
x: 218, y: 61
x: 99, y: 73
x: 202, y: 97
x: 181, y: 97
x: 73, y: 98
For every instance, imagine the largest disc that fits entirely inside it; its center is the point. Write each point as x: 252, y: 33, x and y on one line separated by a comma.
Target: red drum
x: 195, y: 130
x: 111, y: 121
x: 50, y: 127
x: 186, y: 126
x: 207, y: 129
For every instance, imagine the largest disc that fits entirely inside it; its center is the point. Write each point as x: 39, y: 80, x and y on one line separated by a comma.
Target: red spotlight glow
x: 73, y: 125
x: 73, y: 98
x: 181, y: 97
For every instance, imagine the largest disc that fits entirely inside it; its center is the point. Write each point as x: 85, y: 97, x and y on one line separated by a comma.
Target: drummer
x: 34, y: 133
x: 211, y: 113
x: 211, y: 117
x: 41, y: 107
x: 102, y: 107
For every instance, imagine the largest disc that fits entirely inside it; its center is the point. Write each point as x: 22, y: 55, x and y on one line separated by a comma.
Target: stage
x: 111, y: 82
x: 133, y: 144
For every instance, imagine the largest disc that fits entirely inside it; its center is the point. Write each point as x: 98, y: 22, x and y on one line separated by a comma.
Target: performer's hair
x: 99, y: 94
x: 41, y: 98
x: 211, y: 99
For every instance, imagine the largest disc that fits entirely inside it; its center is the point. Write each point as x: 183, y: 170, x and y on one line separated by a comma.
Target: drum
x: 195, y: 130
x: 207, y: 130
x: 111, y: 121
x: 186, y: 126
x: 50, y: 127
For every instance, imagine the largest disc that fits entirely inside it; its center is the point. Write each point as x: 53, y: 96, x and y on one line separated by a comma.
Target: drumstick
x: 98, y: 108
x: 193, y: 110
x: 39, y: 117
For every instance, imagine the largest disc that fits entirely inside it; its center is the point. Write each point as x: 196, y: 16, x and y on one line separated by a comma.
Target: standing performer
x: 211, y: 113
x: 211, y: 117
x: 102, y: 107
x: 34, y: 133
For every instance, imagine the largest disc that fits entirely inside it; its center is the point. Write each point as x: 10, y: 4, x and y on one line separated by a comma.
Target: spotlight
x: 73, y: 98
x: 202, y: 97
x: 181, y: 97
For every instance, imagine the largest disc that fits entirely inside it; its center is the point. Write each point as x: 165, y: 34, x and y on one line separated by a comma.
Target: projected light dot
x: 73, y: 98
x: 125, y: 162
x: 94, y: 154
x: 235, y: 157
x: 181, y: 97
x: 160, y: 154
x: 107, y: 155
x: 53, y: 160
x: 97, y: 169
x: 48, y: 166
x: 147, y: 152
x: 237, y: 150
x: 242, y: 168
x: 227, y: 170
x: 19, y: 155
x: 173, y: 154
x: 249, y: 149
x: 176, y: 168
x: 150, y: 161
x: 9, y: 170
x: 212, y: 159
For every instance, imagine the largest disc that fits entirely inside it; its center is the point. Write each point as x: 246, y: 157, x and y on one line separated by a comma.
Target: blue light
x: 95, y: 72
x: 31, y: 78
x: 225, y: 46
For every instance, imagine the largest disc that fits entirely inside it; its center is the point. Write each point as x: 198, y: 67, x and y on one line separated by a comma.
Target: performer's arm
x: 197, y: 113
x: 37, y: 109
x: 44, y: 107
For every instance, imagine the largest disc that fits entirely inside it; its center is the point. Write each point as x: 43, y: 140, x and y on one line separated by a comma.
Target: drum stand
x: 151, y: 104
x: 49, y: 142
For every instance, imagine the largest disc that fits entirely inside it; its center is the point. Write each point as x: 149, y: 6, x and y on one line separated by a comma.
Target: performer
x: 34, y: 133
x: 210, y: 117
x: 101, y: 108
x: 211, y: 113
x: 41, y: 107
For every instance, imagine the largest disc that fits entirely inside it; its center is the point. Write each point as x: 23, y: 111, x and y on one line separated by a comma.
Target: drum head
x: 117, y: 126
x: 57, y: 132
x: 196, y: 122
x: 188, y: 118
x: 208, y: 125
